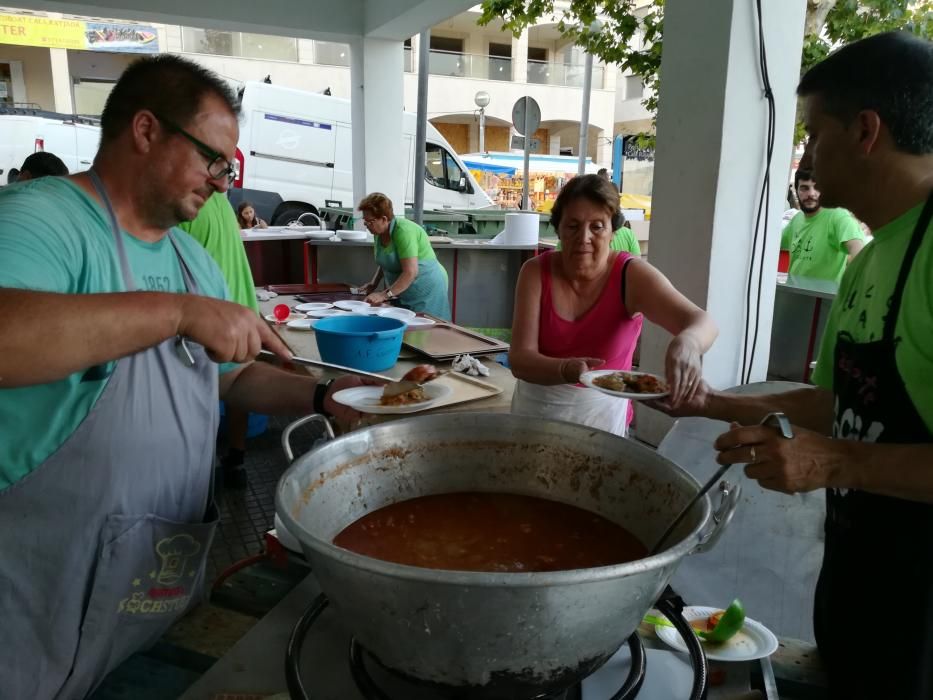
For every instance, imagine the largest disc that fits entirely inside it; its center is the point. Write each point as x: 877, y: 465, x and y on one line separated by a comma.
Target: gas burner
x: 375, y: 682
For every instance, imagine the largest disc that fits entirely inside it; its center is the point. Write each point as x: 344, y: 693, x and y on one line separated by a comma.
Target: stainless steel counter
x: 801, y: 308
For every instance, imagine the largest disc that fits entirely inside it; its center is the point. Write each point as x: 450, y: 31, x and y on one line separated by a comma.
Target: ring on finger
x: 754, y: 457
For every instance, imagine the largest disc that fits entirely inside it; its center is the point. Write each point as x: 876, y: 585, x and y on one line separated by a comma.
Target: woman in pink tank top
x: 581, y: 308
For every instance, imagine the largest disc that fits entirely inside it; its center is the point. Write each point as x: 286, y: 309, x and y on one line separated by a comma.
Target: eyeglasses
x: 217, y: 165
x: 370, y: 222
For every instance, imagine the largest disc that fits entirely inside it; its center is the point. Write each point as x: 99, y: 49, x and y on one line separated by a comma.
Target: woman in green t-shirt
x: 405, y: 259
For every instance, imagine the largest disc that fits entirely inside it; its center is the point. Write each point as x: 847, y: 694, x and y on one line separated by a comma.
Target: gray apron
x: 103, y: 545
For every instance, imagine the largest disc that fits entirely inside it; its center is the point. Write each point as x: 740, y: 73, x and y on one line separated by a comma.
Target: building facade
x: 68, y: 64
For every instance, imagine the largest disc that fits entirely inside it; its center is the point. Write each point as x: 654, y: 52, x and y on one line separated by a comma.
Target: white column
x: 709, y: 169
x: 554, y: 145
x: 415, y: 48
x: 520, y: 58
x: 61, y: 81
x: 604, y: 148
x: 380, y: 161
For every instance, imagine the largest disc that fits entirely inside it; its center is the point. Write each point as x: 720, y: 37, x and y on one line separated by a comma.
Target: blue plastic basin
x: 369, y: 343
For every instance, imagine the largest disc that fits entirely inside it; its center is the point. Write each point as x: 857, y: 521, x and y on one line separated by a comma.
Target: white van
x: 297, y: 145
x: 25, y: 131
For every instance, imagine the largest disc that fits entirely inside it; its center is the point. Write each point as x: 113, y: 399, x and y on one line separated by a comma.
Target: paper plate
x: 360, y: 307
x: 314, y: 306
x: 365, y: 399
x: 305, y: 324
x: 587, y: 380
x: 754, y: 640
x: 397, y: 312
x: 348, y: 235
x: 320, y: 235
x: 419, y: 322
x: 326, y: 313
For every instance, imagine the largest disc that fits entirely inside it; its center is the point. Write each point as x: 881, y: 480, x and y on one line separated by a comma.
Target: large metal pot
x: 500, y: 634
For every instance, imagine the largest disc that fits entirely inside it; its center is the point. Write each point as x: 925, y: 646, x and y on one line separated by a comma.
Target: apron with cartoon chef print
x: 103, y: 545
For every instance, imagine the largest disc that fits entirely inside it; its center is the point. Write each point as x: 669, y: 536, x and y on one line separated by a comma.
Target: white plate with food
x: 305, y: 324
x: 397, y: 312
x: 369, y: 399
x: 314, y: 306
x: 359, y: 306
x: 626, y: 384
x: 753, y: 641
x: 291, y: 317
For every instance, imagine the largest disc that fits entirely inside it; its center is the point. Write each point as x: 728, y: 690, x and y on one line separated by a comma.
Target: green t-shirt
x: 817, y: 243
x: 862, y: 303
x: 55, y: 238
x: 409, y: 239
x: 217, y: 229
x: 623, y: 240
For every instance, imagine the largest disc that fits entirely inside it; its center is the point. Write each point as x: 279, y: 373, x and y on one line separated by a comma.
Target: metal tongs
x: 413, y: 378
x: 776, y: 420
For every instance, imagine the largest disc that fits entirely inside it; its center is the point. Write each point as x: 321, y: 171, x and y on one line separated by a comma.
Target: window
x: 328, y: 53
x: 443, y: 43
x: 634, y: 87
x: 242, y: 44
x: 441, y: 169
x: 500, y: 62
x: 90, y: 95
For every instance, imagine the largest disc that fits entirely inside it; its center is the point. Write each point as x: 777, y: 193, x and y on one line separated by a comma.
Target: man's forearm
x: 901, y: 471
x: 45, y: 337
x: 263, y: 388
x: 808, y: 408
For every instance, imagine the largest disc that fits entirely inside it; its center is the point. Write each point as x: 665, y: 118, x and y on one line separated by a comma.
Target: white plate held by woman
x: 366, y: 399
x: 753, y: 641
x: 314, y: 306
x: 360, y: 307
x: 587, y: 380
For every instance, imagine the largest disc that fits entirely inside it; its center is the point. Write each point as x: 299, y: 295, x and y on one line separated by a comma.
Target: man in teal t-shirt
x: 820, y: 240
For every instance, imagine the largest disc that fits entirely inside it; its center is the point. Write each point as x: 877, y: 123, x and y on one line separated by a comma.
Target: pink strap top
x: 606, y: 330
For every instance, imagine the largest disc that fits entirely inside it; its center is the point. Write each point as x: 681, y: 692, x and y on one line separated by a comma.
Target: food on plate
x: 722, y: 624
x: 420, y: 374
x: 415, y: 395
x: 631, y: 383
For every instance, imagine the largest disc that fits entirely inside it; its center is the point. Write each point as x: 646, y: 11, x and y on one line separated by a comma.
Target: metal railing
x: 466, y: 65
x: 568, y: 74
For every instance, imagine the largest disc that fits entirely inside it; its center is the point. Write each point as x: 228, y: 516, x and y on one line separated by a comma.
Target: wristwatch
x: 389, y: 294
x: 320, y: 393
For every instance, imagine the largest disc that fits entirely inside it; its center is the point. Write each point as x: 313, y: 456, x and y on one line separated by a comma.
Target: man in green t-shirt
x: 864, y: 433
x: 117, y: 341
x: 217, y: 229
x: 820, y: 240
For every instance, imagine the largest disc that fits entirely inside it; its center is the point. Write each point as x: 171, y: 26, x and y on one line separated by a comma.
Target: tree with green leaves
x: 630, y: 34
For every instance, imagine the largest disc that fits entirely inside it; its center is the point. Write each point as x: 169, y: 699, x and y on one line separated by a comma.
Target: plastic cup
x: 281, y: 312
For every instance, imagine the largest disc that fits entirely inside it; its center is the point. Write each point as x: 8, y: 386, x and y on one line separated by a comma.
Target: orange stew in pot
x: 497, y: 532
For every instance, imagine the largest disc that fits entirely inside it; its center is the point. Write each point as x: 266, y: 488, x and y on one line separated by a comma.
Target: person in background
x: 792, y: 209
x: 581, y: 308
x: 246, y: 216
x: 116, y: 344
x: 41, y: 164
x: 864, y: 433
x: 821, y: 240
x: 405, y: 259
x: 604, y: 174
x: 216, y: 228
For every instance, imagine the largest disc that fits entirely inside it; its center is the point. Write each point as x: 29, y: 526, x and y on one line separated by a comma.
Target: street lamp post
x: 482, y: 101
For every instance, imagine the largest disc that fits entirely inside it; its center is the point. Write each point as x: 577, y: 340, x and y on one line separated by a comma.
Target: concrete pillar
x: 553, y: 147
x: 709, y: 168
x: 380, y: 162
x: 415, y: 52
x: 61, y: 81
x: 610, y: 76
x: 520, y: 58
x: 604, y: 147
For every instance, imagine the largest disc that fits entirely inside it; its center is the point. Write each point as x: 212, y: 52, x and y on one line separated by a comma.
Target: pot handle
x: 722, y: 516
x: 287, y: 433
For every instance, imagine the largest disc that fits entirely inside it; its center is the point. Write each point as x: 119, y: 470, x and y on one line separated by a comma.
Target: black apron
x: 873, y: 616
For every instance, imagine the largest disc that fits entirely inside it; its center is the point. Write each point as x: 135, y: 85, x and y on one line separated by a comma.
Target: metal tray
x: 445, y: 341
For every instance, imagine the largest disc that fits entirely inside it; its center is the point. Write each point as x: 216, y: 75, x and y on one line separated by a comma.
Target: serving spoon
x: 777, y: 420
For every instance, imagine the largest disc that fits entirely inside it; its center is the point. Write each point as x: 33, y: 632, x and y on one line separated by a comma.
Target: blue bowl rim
x: 321, y: 326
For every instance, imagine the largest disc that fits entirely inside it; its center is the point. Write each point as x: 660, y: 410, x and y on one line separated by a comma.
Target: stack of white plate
x: 348, y: 235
